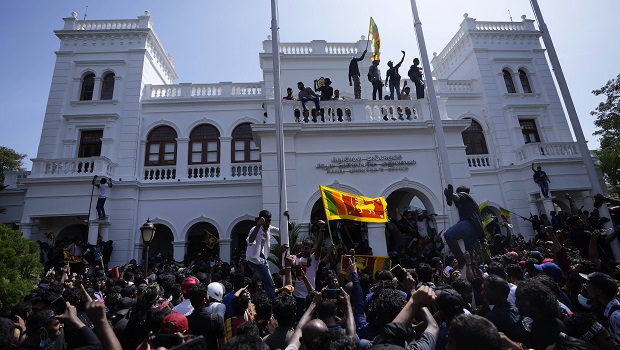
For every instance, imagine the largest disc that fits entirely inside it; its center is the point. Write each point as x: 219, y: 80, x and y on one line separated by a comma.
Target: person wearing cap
x: 174, y: 323
x: 257, y: 251
x: 450, y: 304
x: 603, y: 289
x: 185, y: 307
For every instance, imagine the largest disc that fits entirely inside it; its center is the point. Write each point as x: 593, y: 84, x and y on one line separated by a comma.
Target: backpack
x: 369, y: 76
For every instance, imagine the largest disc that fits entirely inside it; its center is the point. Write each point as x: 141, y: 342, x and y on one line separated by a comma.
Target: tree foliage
x: 609, y: 163
x: 608, y: 121
x: 11, y: 160
x: 19, y: 266
x: 608, y: 115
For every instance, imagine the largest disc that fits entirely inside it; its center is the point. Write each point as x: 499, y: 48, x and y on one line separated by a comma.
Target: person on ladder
x: 103, y: 187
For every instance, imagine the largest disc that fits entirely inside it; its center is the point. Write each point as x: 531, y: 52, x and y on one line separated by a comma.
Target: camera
x: 330, y: 293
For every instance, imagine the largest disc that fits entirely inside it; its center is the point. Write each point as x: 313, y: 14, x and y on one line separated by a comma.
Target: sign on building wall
x: 366, y: 164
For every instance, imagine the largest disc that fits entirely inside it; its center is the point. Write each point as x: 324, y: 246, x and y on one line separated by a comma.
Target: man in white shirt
x: 259, y: 241
x: 103, y: 186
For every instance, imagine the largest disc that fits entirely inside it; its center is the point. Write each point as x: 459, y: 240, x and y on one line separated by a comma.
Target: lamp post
x: 148, y: 233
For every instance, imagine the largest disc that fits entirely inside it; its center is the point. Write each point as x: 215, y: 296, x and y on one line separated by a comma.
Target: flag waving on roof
x: 341, y: 205
x: 373, y: 33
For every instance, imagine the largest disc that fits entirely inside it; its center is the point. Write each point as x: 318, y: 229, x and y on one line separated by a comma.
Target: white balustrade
x: 12, y: 179
x: 218, y: 90
x: 478, y: 161
x: 246, y: 170
x: 247, y: 89
x: 508, y: 26
x: 548, y: 149
x: 203, y: 171
x: 107, y: 25
x: 160, y: 173
x: 350, y: 111
x: 72, y: 167
x: 295, y: 48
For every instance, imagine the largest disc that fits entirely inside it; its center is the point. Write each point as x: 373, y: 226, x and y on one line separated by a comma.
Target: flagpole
x: 432, y: 97
x: 574, y: 118
x: 281, y: 175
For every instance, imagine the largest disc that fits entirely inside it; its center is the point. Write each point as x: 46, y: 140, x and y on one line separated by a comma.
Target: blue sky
x: 214, y: 41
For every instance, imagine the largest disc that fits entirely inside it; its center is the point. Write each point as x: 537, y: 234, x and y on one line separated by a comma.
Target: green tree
x: 608, y: 114
x: 19, y: 266
x: 11, y: 160
x: 609, y: 163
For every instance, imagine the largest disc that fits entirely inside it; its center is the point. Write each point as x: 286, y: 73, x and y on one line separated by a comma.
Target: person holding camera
x: 259, y: 242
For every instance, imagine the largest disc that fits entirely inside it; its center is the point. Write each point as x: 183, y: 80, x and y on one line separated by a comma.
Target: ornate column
x: 179, y: 250
x: 548, y: 205
x: 225, y: 249
x: 97, y: 89
x: 93, y: 231
x: 225, y: 157
x: 105, y: 230
x: 376, y: 238
x: 26, y: 229
x: 182, y: 157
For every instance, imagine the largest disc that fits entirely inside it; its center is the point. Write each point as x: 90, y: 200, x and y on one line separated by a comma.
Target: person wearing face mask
x: 42, y: 329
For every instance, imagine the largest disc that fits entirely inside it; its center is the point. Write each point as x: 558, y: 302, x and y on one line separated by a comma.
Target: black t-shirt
x: 326, y: 92
x: 469, y: 210
x: 211, y: 326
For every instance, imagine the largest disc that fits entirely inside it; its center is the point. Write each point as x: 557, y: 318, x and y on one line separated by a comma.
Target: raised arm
x: 348, y: 315
x: 296, y: 337
x: 424, y: 296
x: 401, y: 60
x: 255, y: 230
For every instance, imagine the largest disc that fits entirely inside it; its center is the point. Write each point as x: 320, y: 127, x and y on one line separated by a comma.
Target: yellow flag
x: 373, y: 33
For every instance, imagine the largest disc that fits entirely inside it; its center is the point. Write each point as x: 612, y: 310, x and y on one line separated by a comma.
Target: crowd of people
x: 556, y: 291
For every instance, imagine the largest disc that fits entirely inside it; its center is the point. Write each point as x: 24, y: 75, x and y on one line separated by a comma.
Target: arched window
x: 107, y: 87
x: 525, y: 82
x: 243, y: 147
x: 510, y: 85
x: 204, y: 145
x: 473, y: 139
x: 161, y: 146
x: 88, y: 86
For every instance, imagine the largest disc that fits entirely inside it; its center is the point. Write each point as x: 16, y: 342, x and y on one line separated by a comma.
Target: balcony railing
x: 68, y: 167
x: 12, y: 179
x: 350, y: 111
x: 196, y: 91
x: 550, y: 149
x: 479, y: 161
x: 246, y: 170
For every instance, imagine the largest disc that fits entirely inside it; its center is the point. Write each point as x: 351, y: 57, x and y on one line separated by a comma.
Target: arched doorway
x: 239, y: 234
x: 162, y: 242
x: 201, y: 238
x: 402, y: 200
x: 72, y: 232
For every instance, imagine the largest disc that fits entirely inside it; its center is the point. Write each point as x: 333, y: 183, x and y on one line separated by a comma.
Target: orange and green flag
x: 505, y: 214
x: 373, y: 34
x: 363, y: 261
x: 340, y: 205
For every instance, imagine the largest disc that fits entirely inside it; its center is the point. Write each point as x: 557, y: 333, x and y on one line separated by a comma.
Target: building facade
x: 202, y: 157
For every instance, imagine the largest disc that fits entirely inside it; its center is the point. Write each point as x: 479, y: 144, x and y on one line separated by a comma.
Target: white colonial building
x: 196, y: 157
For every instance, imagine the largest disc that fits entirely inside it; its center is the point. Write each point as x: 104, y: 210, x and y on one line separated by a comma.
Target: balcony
x: 202, y: 172
x: 72, y: 167
x: 203, y: 91
x: 349, y: 111
x: 554, y: 150
x: 479, y: 161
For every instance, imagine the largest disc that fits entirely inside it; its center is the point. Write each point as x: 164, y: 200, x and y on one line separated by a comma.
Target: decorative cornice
x: 99, y: 62
x: 90, y: 117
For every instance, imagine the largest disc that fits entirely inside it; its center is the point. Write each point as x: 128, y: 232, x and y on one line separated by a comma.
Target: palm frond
x: 293, y: 236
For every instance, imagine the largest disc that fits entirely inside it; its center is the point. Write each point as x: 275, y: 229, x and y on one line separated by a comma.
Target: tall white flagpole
x: 432, y: 100
x: 574, y: 119
x: 281, y: 176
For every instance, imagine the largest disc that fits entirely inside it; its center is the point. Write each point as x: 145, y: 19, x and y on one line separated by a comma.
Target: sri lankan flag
x: 505, y: 214
x: 373, y: 33
x: 340, y: 205
x: 209, y: 239
x: 363, y: 261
